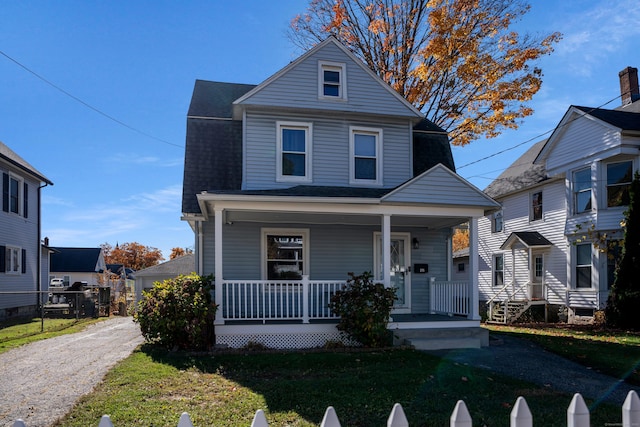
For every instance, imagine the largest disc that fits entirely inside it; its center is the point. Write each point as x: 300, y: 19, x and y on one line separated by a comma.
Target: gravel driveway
x: 41, y: 381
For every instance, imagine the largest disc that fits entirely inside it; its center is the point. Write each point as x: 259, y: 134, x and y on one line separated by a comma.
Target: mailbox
x: 421, y: 268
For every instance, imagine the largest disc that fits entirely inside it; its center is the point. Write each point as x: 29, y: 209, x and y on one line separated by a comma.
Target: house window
x: 614, y: 256
x: 285, y: 254
x: 332, y: 80
x: 619, y: 176
x: 13, y: 260
x: 498, y: 270
x: 366, y: 156
x: 582, y: 190
x: 461, y: 267
x: 536, y: 206
x: 583, y: 265
x: 14, y: 194
x: 496, y: 223
x: 294, y: 152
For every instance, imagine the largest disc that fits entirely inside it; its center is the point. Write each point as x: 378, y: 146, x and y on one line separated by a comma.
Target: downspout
x: 39, y: 250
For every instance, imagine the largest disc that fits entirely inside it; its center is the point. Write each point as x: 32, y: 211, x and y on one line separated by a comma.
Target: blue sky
x: 135, y: 62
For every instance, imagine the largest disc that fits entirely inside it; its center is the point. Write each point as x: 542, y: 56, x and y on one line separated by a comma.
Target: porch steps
x: 510, y: 311
x: 442, y: 338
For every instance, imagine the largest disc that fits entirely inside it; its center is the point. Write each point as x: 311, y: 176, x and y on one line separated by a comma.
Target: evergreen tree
x: 624, y: 297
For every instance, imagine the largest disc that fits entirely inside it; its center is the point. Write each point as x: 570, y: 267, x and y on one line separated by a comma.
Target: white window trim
x: 531, y: 214
x: 379, y: 158
x: 342, y: 87
x: 592, y: 266
x: 493, y: 270
x: 575, y: 192
x: 10, y: 268
x: 493, y: 221
x: 605, y: 172
x: 304, y: 232
x: 308, y: 127
x: 20, y: 182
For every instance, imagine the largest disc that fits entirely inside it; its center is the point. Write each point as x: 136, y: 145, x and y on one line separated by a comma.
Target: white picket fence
x: 577, y: 415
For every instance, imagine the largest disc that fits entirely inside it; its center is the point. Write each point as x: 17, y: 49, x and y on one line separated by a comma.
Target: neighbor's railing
x: 265, y: 300
x: 577, y: 415
x: 451, y: 298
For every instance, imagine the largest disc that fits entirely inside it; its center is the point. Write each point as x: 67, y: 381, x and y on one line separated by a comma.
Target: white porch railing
x: 450, y: 298
x: 264, y: 300
x: 520, y: 416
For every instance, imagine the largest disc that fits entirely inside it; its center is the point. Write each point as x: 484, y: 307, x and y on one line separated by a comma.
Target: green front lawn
x: 153, y: 387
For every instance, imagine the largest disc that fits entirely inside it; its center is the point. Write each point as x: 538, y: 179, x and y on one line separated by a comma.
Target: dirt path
x: 41, y: 381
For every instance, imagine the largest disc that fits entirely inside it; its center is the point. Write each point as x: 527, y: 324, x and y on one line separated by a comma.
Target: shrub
x: 178, y: 313
x: 364, y: 308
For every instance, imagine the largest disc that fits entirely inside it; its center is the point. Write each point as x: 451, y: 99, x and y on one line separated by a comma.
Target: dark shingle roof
x: 78, y: 260
x: 314, y: 191
x: 529, y: 238
x: 430, y: 147
x: 215, y: 99
x: 520, y: 174
x: 624, y: 120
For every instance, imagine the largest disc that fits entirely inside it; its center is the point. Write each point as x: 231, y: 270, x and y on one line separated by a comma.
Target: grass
x: 17, y: 333
x: 616, y: 353
x: 153, y: 387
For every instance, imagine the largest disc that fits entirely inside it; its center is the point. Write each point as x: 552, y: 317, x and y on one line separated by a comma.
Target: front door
x: 400, y: 267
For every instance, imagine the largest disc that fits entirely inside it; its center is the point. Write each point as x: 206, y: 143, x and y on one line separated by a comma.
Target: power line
x: 75, y: 98
x: 530, y: 139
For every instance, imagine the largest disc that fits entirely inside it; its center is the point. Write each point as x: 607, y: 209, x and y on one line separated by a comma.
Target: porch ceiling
x: 432, y: 222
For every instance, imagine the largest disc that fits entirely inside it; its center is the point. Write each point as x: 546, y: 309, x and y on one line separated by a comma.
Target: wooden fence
x: 577, y: 415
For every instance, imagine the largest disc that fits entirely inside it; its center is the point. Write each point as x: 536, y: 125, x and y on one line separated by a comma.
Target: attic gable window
x: 294, y: 151
x: 365, y: 156
x: 332, y: 80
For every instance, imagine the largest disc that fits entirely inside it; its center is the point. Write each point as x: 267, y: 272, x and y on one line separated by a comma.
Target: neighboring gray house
x: 321, y: 170
x: 144, y: 279
x: 20, y: 227
x: 559, y: 197
x: 78, y: 265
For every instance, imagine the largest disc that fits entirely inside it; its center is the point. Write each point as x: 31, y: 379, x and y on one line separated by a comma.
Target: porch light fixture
x: 416, y: 243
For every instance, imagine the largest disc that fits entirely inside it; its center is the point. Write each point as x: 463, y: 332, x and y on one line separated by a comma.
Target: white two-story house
x: 20, y: 249
x: 318, y: 171
x: 553, y: 243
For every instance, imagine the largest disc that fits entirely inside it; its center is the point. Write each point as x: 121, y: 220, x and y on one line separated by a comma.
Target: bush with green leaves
x: 178, y: 313
x: 364, y: 308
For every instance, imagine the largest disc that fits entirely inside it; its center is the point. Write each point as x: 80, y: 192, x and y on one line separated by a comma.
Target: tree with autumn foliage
x: 460, y: 239
x: 458, y: 61
x: 132, y: 255
x: 178, y: 252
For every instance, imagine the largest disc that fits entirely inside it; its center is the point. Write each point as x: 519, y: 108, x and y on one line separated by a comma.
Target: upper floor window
x: 497, y: 222
x: 619, y: 177
x: 14, y: 194
x: 536, y: 206
x: 582, y: 190
x: 294, y: 151
x: 583, y: 265
x: 332, y: 80
x: 365, y: 156
x: 498, y: 270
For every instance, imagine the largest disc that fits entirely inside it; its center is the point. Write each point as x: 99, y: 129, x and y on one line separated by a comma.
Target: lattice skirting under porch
x: 279, y: 336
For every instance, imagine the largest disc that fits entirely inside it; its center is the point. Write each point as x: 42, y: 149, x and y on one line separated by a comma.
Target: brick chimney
x: 629, y: 91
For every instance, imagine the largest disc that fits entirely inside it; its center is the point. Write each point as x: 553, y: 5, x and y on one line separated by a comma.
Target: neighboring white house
x: 321, y: 170
x: 78, y: 265
x: 562, y: 205
x: 144, y: 279
x: 20, y: 248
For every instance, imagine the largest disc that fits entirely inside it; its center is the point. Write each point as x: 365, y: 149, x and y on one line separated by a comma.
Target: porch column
x: 473, y: 269
x: 386, y: 250
x: 217, y: 251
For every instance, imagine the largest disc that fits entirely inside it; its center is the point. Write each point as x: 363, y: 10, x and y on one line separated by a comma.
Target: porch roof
x: 529, y: 239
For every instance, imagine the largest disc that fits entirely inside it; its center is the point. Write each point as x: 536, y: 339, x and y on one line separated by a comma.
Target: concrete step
x: 442, y: 338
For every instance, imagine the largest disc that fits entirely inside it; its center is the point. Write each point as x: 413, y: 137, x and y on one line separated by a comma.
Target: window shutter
x: 5, y: 193
x: 25, y: 197
x: 3, y: 259
x: 24, y: 261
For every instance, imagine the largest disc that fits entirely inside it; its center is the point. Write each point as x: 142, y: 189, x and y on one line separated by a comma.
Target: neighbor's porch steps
x: 510, y: 311
x: 441, y: 339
